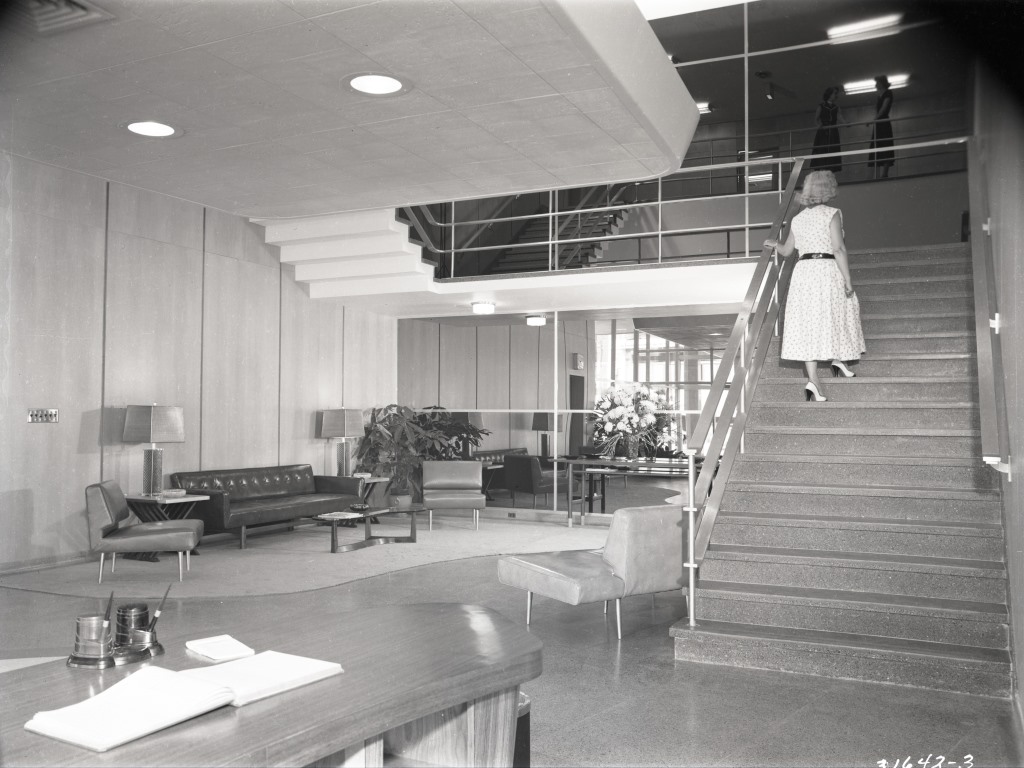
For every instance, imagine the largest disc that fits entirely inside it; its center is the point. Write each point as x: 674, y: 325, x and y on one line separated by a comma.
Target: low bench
x: 240, y: 498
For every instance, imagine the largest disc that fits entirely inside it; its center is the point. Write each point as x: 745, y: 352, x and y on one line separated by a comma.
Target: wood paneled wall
x: 110, y: 296
x: 492, y: 366
x: 999, y: 122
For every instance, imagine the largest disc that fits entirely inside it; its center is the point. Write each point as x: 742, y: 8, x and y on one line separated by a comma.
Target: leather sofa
x: 240, y: 498
x: 495, y: 478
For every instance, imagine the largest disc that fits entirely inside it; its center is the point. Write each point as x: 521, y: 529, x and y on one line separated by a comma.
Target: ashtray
x: 359, y: 507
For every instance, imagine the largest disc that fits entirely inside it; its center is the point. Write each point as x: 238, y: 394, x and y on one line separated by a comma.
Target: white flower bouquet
x: 628, y: 416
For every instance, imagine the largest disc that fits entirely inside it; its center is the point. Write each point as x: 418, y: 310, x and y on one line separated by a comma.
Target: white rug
x: 301, y: 560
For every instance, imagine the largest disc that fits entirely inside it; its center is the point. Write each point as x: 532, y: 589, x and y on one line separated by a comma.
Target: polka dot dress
x: 821, y: 323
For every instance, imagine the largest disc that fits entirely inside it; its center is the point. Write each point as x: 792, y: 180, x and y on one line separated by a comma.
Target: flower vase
x: 633, y: 446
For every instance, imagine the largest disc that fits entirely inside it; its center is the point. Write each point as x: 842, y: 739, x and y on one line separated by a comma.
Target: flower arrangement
x: 628, y: 421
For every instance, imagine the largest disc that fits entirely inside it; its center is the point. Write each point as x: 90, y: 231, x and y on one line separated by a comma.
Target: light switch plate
x: 42, y: 415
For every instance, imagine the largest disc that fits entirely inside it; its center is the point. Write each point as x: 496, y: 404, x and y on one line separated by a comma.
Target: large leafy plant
x: 398, y: 440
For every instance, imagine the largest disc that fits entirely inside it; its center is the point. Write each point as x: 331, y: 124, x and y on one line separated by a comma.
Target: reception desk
x: 432, y: 683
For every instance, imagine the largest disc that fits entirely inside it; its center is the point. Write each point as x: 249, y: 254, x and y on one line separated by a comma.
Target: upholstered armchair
x: 643, y: 554
x: 526, y: 474
x: 453, y: 485
x: 107, y: 510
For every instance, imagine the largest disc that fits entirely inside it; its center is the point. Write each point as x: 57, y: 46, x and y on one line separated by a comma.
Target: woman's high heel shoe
x: 839, y: 369
x: 812, y: 393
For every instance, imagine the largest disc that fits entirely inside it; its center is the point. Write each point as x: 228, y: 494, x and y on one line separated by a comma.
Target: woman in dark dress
x: 881, y: 131
x: 826, y: 138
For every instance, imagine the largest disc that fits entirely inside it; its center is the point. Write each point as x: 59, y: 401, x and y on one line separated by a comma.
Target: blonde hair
x: 819, y: 187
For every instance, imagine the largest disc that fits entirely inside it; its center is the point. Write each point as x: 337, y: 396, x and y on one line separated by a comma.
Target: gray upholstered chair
x: 453, y: 485
x: 525, y: 474
x: 642, y: 555
x: 108, y: 510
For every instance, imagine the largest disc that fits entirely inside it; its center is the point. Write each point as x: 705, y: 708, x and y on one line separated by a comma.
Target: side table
x: 158, y: 508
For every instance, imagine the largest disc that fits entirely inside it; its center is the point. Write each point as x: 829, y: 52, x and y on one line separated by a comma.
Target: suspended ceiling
x: 503, y: 96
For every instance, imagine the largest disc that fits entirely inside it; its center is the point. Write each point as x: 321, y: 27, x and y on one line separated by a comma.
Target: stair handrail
x: 995, y: 437
x: 717, y: 440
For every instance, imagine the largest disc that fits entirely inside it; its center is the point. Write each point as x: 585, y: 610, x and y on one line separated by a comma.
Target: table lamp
x: 544, y: 422
x: 340, y: 423
x: 154, y: 424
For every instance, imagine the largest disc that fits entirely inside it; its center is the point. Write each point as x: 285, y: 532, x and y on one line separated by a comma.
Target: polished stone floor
x: 601, y: 701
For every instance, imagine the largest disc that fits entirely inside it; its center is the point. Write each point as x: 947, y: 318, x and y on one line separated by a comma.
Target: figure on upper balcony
x: 826, y: 139
x: 881, y: 131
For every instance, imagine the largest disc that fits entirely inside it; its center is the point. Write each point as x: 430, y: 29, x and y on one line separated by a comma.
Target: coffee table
x: 333, y: 519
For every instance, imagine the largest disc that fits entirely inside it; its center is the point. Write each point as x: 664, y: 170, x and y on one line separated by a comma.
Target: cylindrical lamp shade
x: 340, y: 422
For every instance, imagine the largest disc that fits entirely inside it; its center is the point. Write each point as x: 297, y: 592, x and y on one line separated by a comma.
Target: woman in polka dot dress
x: 822, y: 311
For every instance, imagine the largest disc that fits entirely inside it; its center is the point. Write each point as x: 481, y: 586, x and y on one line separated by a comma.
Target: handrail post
x: 660, y: 227
x: 691, y: 510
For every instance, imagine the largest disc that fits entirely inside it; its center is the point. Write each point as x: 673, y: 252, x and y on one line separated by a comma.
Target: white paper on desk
x: 219, y: 648
x: 148, y: 700
x: 264, y: 674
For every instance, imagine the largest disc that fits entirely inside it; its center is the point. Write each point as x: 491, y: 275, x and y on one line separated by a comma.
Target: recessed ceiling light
x: 659, y: 9
x: 867, y: 86
x: 151, y: 128
x: 376, y: 85
x: 704, y: 107
x: 483, y: 307
x: 867, y: 25
x: 536, y: 320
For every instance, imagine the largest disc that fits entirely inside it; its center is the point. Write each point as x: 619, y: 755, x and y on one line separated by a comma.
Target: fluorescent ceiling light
x: 376, y: 85
x: 151, y: 128
x: 704, y: 107
x: 483, y: 307
x: 659, y: 9
x: 868, y: 25
x: 759, y: 177
x: 867, y: 86
x: 536, y: 320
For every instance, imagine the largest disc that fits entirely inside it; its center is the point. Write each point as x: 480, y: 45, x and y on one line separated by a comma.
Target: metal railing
x: 650, y: 206
x: 995, y: 437
x: 718, y: 438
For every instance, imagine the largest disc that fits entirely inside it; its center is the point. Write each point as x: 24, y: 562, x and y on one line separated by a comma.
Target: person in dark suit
x: 881, y: 131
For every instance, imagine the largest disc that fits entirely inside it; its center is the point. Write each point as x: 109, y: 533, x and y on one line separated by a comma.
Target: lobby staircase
x: 862, y: 538
x: 526, y: 257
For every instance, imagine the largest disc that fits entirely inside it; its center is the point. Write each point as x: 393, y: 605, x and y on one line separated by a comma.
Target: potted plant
x: 391, y: 448
x: 398, y: 439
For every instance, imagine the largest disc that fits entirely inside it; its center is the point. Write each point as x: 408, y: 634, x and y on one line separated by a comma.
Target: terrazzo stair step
x: 937, y: 620
x: 863, y: 441
x: 872, y: 470
x: 897, y: 323
x: 875, y: 364
x: 920, y: 576
x: 911, y: 268
x: 889, y: 502
x: 975, y: 541
x: 922, y: 342
x: 923, y: 254
x: 872, y: 287
x: 901, y: 414
x: 937, y: 666
x: 952, y: 301
x: 871, y: 388
x: 883, y: 345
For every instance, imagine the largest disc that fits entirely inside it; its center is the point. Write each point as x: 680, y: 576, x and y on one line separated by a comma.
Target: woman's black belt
x: 816, y: 256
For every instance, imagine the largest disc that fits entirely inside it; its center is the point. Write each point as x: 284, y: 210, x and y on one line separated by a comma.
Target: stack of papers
x: 219, y: 648
x: 154, y: 698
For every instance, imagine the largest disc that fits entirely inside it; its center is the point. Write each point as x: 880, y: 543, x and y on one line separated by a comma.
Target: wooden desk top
x: 401, y: 662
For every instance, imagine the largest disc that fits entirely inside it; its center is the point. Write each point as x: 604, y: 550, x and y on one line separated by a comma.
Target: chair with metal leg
x: 107, y: 510
x: 453, y: 485
x: 642, y: 555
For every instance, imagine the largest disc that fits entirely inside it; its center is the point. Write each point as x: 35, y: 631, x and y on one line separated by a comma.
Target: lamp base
x: 152, y: 471
x: 544, y: 445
